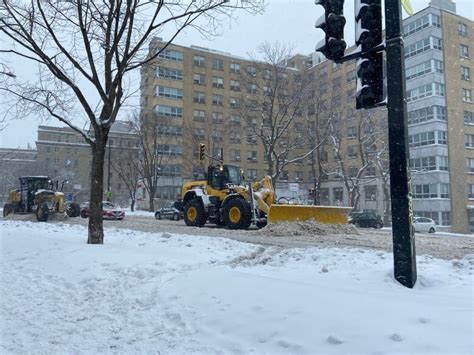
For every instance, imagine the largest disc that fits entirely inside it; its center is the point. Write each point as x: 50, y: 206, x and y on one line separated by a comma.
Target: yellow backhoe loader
x: 223, y: 199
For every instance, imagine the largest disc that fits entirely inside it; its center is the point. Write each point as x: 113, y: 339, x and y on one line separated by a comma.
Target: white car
x: 423, y: 224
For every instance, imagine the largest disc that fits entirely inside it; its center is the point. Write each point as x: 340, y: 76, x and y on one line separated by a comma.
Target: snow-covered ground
x: 179, y: 294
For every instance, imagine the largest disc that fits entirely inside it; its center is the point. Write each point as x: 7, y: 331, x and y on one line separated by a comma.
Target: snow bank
x: 178, y: 294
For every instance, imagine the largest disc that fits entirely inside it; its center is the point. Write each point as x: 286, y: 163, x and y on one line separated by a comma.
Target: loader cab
x: 31, y: 184
x: 221, y: 175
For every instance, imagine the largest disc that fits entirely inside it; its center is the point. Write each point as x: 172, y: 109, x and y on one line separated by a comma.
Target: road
x: 439, y: 246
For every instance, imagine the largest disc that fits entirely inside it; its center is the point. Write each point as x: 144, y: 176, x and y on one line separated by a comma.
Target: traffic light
x: 332, y: 23
x: 202, y: 151
x: 368, y: 29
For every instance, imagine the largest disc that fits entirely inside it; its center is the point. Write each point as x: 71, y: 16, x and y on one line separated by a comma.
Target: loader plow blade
x: 322, y: 214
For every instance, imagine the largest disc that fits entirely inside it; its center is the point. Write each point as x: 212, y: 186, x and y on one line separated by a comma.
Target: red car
x: 110, y: 211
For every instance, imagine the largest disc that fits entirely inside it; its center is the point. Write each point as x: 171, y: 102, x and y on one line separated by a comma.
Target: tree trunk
x: 151, y: 200
x: 387, y: 205
x: 132, y: 206
x: 96, y: 225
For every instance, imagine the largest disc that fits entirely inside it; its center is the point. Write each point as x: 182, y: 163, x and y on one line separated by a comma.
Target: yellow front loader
x: 222, y: 199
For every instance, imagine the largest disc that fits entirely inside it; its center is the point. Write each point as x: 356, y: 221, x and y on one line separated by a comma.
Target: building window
x: 284, y: 175
x: 169, y: 130
x: 169, y: 73
x: 466, y: 95
x: 445, y: 218
x: 235, y: 120
x: 169, y: 149
x: 170, y: 170
x: 469, y: 140
x: 299, y: 176
x: 336, y: 82
x: 218, y: 135
x: 462, y: 29
x: 217, y: 117
x: 465, y: 73
x: 338, y: 195
x: 235, y: 154
x: 468, y: 117
x: 351, y: 75
x: 442, y: 137
x: 470, y: 191
x: 443, y: 163
x: 416, y: 25
x: 217, y: 82
x: 168, y: 111
x: 234, y: 137
x: 171, y: 54
x: 235, y: 68
x: 352, y: 132
x: 252, y: 156
x: 234, y: 85
x: 425, y: 191
x: 199, y: 97
x: 421, y: 139
x: 427, y: 114
x: 425, y: 91
x: 252, y: 174
x: 424, y: 45
x: 252, y: 88
x: 217, y: 100
x: 352, y: 152
x: 470, y: 165
x: 199, y: 133
x: 423, y: 164
x: 463, y: 51
x: 199, y: 61
x: 371, y: 193
x: 252, y: 71
x: 426, y: 67
x: 217, y: 64
x: 199, y: 79
x: 172, y: 93
x: 234, y: 102
x: 444, y: 190
x: 199, y: 115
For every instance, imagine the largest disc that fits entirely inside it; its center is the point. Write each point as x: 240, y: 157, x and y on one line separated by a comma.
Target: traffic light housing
x: 202, y: 151
x: 370, y: 79
x: 332, y: 23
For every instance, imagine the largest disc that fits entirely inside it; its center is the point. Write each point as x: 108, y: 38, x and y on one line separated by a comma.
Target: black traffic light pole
x: 402, y: 232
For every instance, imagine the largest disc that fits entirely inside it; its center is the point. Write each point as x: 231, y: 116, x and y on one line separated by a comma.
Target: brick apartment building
x: 195, y: 91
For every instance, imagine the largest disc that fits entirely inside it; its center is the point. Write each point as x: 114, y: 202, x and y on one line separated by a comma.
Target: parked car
x: 366, y: 219
x: 172, y: 210
x: 423, y: 224
x: 110, y: 211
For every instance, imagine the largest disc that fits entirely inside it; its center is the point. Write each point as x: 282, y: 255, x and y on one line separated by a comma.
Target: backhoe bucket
x: 321, y: 214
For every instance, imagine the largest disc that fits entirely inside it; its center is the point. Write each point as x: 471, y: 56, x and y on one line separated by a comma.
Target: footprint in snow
x: 324, y: 269
x: 423, y: 320
x: 396, y: 337
x: 334, y: 340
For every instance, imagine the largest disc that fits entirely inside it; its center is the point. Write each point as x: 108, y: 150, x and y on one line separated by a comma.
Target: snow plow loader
x: 38, y: 195
x: 224, y: 200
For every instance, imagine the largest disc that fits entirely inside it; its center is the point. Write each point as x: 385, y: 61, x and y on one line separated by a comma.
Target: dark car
x: 366, y: 220
x: 172, y: 210
x: 110, y: 211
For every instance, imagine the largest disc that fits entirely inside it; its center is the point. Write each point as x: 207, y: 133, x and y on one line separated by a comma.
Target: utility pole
x: 404, y: 253
x: 108, y: 168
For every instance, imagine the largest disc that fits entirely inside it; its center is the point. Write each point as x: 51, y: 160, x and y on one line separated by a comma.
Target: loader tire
x: 194, y: 215
x: 42, y: 213
x: 7, y: 210
x: 73, y: 210
x: 238, y: 214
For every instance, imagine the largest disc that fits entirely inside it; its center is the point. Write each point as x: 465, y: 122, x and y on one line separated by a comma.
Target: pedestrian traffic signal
x: 332, y: 23
x: 202, y: 151
x: 368, y: 29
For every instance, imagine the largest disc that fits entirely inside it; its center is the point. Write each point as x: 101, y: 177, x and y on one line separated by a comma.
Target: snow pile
x: 306, y: 228
x: 177, y: 294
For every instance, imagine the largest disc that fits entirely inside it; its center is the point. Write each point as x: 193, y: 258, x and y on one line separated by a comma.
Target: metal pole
x: 404, y: 254
x: 108, y: 175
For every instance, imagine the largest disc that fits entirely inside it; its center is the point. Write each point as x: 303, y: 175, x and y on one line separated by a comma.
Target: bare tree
x: 360, y: 148
x: 85, y: 50
x: 126, y: 165
x: 272, y: 100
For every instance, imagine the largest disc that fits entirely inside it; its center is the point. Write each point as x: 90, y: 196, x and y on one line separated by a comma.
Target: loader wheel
x: 194, y: 213
x: 42, y: 213
x: 7, y: 210
x: 238, y: 214
x: 73, y: 210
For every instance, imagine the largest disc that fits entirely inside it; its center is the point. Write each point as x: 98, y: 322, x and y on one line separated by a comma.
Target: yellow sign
x: 407, y: 7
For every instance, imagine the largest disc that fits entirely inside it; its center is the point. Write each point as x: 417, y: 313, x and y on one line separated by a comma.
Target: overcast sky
x: 289, y: 21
